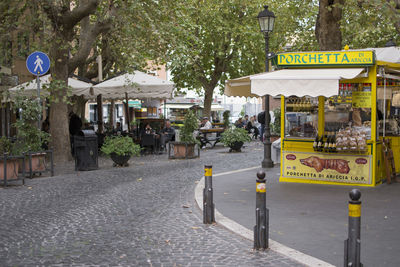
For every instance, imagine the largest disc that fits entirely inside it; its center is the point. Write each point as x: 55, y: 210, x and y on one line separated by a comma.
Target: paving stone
x: 131, y: 216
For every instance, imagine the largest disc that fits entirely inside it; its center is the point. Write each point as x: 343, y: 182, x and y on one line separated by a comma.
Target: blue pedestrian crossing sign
x: 38, y: 63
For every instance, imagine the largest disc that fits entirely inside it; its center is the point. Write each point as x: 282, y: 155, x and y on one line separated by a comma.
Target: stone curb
x: 248, y: 234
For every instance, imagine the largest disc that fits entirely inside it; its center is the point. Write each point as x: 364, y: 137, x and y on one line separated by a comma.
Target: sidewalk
x: 141, y: 215
x: 313, y: 218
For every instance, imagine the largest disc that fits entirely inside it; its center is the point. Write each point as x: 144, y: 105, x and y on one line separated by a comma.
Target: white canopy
x: 30, y: 88
x: 137, y: 85
x: 388, y: 54
x: 287, y: 82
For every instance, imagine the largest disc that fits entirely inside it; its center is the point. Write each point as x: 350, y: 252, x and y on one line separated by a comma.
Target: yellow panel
x: 304, y: 181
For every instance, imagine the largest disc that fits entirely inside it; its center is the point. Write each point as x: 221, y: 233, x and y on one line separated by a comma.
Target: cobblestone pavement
x: 142, y: 215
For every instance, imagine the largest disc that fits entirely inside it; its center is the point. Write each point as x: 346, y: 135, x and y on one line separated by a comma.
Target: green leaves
x: 233, y: 135
x: 190, y: 124
x: 120, y: 145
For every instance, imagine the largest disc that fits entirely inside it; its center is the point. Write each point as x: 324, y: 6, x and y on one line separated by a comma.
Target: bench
x: 206, y: 138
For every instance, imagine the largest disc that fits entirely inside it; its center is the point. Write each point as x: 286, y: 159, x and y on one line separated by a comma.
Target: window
x: 301, y: 116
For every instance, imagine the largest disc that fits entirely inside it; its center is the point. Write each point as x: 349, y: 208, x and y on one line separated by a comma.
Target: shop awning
x: 215, y: 107
x: 178, y: 106
x: 287, y: 82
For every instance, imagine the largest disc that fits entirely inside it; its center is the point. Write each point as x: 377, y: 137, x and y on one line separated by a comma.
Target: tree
x: 327, y: 28
x: 211, y: 41
x: 74, y: 33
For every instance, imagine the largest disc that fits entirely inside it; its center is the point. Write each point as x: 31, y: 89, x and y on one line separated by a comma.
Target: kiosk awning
x: 287, y: 82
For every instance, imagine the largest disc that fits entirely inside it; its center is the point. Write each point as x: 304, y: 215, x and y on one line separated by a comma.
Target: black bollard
x: 352, y: 246
x: 261, y: 229
x: 208, y: 205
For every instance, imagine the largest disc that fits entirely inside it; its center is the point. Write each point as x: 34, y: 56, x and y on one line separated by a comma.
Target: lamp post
x: 266, y: 20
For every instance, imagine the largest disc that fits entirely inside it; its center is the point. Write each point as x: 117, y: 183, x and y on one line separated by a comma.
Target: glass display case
x: 301, y: 117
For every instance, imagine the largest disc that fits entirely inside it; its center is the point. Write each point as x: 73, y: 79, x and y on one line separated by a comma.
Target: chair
x: 148, y: 141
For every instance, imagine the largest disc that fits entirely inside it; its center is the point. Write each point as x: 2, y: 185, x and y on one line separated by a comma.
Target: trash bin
x: 276, y: 151
x: 86, y: 151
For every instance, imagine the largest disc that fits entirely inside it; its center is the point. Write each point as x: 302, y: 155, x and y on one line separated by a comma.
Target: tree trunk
x: 327, y: 29
x: 208, y: 97
x: 100, y: 113
x: 112, y: 114
x: 59, y: 124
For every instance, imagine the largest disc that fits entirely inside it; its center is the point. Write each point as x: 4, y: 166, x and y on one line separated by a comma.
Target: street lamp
x: 266, y: 20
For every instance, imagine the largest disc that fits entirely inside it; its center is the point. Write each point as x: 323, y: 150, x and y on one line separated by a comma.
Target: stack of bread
x: 351, y: 140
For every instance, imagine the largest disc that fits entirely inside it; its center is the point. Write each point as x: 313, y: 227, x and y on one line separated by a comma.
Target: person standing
x: 75, y: 125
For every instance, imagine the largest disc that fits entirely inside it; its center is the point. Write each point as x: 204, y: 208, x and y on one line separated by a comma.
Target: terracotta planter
x: 12, y: 169
x: 120, y: 160
x: 38, y: 163
x: 181, y: 150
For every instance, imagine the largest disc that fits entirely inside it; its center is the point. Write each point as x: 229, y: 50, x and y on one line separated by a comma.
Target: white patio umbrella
x: 30, y: 88
x: 137, y: 85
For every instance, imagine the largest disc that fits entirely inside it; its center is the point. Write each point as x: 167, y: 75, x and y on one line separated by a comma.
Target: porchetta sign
x: 354, y: 169
x: 333, y: 58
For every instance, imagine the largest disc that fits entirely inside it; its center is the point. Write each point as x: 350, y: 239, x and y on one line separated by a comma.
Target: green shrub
x: 190, y: 124
x: 231, y: 136
x: 120, y: 145
x: 226, y: 116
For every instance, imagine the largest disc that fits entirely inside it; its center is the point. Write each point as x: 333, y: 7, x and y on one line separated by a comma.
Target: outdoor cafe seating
x: 210, y: 136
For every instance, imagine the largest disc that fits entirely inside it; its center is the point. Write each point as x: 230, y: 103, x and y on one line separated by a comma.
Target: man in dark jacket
x: 75, y: 125
x: 261, y: 120
x: 167, y: 134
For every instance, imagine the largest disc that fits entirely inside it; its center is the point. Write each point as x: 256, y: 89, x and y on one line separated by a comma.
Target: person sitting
x: 166, y: 134
x: 206, y: 124
x: 251, y: 127
x: 118, y: 128
x: 147, y: 129
x: 239, y: 123
x: 148, y: 138
x: 245, y: 120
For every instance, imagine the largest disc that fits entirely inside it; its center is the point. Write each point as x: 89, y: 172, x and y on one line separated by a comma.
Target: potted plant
x: 186, y: 147
x: 29, y: 138
x: 120, y: 149
x: 12, y: 165
x: 234, y: 138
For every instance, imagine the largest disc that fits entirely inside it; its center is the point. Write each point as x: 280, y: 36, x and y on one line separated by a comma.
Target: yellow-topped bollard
x: 208, y: 205
x: 261, y: 229
x: 352, y: 246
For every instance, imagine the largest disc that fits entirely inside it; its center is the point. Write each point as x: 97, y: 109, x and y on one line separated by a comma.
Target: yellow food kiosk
x: 336, y: 106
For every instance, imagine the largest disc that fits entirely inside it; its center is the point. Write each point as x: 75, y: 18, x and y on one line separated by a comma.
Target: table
x: 205, y: 137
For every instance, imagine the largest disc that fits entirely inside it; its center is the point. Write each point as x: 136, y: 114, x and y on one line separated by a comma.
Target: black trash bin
x: 86, y: 151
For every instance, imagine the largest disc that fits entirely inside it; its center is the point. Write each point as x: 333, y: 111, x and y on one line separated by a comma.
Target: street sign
x: 38, y: 63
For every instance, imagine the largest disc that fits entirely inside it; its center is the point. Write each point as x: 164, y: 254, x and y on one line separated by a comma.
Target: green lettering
x: 327, y: 58
x: 297, y: 59
x: 303, y: 59
x: 282, y: 58
x: 291, y: 59
x: 345, y: 58
x: 312, y: 58
x: 320, y: 58
x: 336, y: 57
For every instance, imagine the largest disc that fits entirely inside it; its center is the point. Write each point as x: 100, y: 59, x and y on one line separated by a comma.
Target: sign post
x: 38, y: 63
